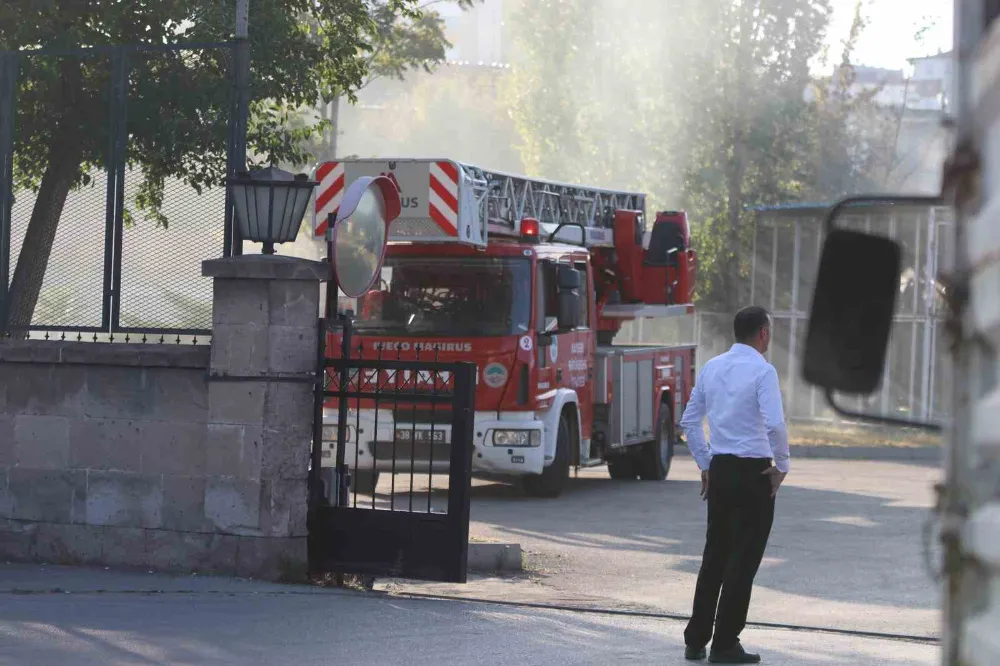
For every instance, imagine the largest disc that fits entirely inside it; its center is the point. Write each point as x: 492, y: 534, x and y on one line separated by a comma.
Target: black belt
x: 732, y: 458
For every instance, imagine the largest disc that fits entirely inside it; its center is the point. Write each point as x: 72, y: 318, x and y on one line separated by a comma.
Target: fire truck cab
x: 531, y: 281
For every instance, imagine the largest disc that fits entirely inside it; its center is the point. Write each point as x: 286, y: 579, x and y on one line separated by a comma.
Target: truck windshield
x: 480, y: 296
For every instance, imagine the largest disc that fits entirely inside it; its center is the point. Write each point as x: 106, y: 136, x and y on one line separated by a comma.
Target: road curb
x: 875, y: 453
x: 488, y: 558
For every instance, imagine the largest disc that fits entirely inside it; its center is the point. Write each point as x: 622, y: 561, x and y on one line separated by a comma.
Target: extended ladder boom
x: 446, y: 201
x: 510, y: 199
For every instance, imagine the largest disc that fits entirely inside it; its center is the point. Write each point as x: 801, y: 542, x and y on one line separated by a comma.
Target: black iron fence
x: 113, y: 163
x: 392, y: 463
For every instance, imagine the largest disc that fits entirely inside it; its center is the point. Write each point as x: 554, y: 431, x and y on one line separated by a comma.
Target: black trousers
x: 740, y: 513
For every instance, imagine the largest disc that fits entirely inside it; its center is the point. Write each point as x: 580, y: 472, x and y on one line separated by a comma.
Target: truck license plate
x: 422, y: 436
x: 436, y: 436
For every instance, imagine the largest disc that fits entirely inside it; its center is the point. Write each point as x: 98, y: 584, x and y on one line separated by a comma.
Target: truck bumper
x: 381, y: 449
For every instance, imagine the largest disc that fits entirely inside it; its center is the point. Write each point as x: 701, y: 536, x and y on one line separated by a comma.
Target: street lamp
x: 269, y: 205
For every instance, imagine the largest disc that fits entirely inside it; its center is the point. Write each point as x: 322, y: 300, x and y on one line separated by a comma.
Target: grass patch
x: 852, y: 434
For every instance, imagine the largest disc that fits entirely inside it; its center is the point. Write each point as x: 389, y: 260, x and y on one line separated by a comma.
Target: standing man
x: 738, y: 393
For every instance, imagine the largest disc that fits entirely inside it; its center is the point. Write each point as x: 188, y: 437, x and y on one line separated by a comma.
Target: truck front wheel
x: 622, y: 467
x: 655, y: 456
x: 364, y: 481
x: 552, y: 480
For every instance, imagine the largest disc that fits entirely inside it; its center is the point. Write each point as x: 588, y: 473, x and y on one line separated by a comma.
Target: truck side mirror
x: 852, y: 311
x: 570, y: 309
x: 853, y: 308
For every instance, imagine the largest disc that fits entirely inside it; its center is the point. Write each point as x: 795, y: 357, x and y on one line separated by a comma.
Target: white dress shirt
x: 738, y: 392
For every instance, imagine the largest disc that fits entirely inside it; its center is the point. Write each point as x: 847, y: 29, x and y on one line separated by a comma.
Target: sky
x: 889, y: 38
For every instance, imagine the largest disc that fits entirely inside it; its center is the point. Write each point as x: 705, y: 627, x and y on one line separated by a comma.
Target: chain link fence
x: 141, y: 138
x: 784, y: 262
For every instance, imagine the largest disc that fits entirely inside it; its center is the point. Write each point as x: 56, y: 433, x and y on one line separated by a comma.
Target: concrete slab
x: 495, y: 558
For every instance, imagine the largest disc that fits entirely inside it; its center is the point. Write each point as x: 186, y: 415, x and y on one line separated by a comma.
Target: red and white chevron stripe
x: 330, y: 176
x: 442, y: 203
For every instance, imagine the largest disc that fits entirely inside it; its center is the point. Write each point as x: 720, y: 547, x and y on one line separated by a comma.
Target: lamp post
x: 269, y: 205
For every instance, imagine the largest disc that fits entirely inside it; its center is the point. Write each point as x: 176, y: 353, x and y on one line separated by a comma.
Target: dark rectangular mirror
x: 570, y: 310
x: 852, y: 309
x: 569, y: 278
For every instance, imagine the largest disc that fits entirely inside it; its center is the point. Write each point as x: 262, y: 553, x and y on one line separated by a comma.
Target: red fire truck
x: 531, y: 280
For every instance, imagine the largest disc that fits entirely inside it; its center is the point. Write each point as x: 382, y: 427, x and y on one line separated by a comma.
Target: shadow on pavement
x: 842, y: 546
x: 268, y: 628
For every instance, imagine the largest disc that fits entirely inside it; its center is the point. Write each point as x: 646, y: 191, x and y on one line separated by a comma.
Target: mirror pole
x: 332, y: 287
x: 343, y: 473
x: 881, y: 420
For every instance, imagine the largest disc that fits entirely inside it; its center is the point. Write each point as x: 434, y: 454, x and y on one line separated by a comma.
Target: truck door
x: 565, y: 358
x: 547, y: 325
x: 580, y: 364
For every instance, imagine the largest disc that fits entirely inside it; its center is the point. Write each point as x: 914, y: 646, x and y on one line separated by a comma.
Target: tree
x: 399, y: 45
x: 576, y: 99
x: 179, y: 102
x: 454, y: 112
x: 746, y: 125
x: 701, y: 104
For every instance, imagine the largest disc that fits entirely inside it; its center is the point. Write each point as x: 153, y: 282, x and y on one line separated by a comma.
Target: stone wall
x: 168, y: 457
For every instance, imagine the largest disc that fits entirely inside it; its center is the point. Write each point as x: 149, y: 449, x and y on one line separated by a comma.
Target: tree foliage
x: 709, y: 106
x: 179, y: 102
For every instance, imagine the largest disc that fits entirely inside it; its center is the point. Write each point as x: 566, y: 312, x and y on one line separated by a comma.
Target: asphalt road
x: 845, y: 552
x: 53, y: 616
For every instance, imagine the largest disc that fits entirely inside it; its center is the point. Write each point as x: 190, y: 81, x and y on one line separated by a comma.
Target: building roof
x: 936, y: 56
x: 794, y: 207
x: 814, y: 208
x: 877, y: 75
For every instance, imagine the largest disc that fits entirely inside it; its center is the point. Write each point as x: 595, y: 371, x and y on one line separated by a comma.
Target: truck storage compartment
x: 630, y: 408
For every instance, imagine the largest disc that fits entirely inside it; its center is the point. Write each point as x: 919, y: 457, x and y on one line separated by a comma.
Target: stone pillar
x: 260, y: 418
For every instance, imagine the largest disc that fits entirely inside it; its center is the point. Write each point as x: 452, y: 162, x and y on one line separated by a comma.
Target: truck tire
x: 655, y: 456
x: 622, y: 467
x: 552, y: 480
x: 326, y: 478
x: 364, y: 481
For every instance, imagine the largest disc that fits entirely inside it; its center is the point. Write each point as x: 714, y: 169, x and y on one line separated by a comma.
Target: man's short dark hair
x: 749, y: 321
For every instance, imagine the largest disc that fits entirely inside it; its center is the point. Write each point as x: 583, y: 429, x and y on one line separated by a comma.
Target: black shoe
x: 693, y: 653
x: 733, y: 655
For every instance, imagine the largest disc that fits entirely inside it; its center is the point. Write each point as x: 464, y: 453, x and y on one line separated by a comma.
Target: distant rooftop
x: 878, y: 75
x: 810, y: 207
x: 794, y: 207
x: 936, y: 56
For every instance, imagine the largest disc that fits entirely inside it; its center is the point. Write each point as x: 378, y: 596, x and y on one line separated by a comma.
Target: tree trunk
x: 734, y: 243
x: 334, y: 129
x: 26, y: 285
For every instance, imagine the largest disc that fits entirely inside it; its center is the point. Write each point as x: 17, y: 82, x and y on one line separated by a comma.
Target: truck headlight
x: 517, y: 438
x: 330, y: 433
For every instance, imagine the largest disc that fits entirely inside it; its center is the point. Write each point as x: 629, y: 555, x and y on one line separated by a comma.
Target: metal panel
x: 644, y: 399
x: 647, y: 311
x: 629, y: 399
x: 617, y: 403
x: 602, y: 366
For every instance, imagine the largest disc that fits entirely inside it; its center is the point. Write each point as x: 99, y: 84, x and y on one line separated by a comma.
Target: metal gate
x: 390, y: 482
